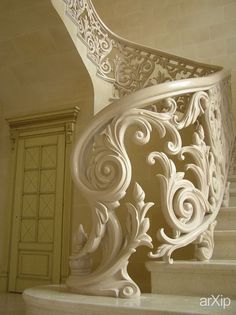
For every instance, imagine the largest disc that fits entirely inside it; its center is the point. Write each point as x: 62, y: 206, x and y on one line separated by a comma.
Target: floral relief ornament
x: 105, y: 170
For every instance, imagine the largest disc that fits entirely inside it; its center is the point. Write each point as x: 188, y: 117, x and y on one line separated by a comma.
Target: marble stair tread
x: 229, y: 209
x: 232, y: 197
x: 226, y: 219
x: 195, y: 278
x: 225, y: 244
x: 232, y: 178
x: 225, y: 234
x: 55, y: 300
x: 232, y: 171
x: 200, y: 266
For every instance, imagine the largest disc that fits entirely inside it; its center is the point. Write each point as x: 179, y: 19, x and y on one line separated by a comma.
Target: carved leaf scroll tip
x: 79, y: 239
x: 164, y: 251
x: 137, y: 224
x: 205, y: 243
x: 80, y: 265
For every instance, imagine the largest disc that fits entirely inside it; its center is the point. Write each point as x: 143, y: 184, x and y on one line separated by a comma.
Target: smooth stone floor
x: 11, y: 304
x: 56, y: 300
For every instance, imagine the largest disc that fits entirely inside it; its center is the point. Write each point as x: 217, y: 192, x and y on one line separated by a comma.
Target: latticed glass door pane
x: 38, y: 208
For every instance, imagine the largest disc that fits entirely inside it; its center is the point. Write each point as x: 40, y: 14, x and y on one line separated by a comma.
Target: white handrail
x: 188, y: 93
x: 138, y: 99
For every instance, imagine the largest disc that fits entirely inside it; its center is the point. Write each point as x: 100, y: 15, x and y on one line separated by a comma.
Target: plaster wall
x: 40, y: 70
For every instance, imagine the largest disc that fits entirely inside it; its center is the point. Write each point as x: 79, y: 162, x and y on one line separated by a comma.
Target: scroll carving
x: 189, y: 207
x: 103, y: 170
x: 128, y: 66
x: 111, y: 277
x: 205, y: 243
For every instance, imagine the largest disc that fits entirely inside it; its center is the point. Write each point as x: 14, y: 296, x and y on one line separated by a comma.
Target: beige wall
x: 204, y: 30
x: 4, y: 214
x: 40, y: 70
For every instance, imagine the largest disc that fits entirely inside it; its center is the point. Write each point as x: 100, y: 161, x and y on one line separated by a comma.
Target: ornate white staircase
x: 178, y: 113
x: 205, y: 278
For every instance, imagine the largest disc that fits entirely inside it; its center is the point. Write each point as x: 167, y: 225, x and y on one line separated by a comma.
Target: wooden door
x: 37, y: 212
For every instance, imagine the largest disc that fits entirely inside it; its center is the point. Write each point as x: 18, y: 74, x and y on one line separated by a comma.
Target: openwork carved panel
x: 102, y: 167
x: 129, y: 66
x: 189, y: 206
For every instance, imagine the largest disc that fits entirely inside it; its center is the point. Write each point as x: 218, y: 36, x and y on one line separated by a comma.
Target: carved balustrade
x: 162, y: 94
x: 128, y: 66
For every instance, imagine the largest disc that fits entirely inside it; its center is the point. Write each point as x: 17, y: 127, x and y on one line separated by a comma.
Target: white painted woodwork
x: 37, y: 212
x: 40, y: 241
x: 170, y: 95
x: 217, y: 276
x: 155, y: 92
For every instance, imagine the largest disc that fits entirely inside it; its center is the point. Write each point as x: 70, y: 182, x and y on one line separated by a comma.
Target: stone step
x: 232, y: 180
x: 225, y: 245
x: 226, y: 219
x: 194, y: 278
x: 51, y: 300
x: 233, y: 169
x: 232, y: 197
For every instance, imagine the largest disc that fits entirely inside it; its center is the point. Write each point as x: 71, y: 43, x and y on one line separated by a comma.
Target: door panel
x: 37, y: 213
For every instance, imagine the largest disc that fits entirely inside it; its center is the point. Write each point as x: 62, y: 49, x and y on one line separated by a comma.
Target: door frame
x: 47, y: 123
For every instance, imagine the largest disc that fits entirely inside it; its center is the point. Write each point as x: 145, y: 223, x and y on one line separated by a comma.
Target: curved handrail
x: 138, y: 99
x: 102, y: 170
x: 101, y: 167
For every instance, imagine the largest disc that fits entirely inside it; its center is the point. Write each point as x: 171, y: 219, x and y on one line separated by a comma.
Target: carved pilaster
x: 14, y: 134
x: 69, y: 129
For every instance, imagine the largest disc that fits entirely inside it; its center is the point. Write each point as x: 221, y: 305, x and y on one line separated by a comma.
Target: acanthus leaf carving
x: 111, y: 276
x: 190, y: 203
x: 137, y: 224
x: 205, y: 243
x: 189, y: 207
x: 183, y: 206
x: 128, y: 66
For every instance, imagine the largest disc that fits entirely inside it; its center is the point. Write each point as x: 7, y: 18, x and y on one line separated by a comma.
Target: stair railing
x: 160, y: 93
